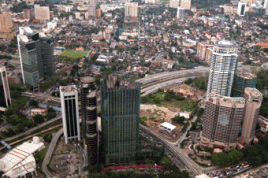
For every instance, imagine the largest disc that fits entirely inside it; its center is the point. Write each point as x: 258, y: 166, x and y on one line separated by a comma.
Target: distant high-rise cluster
x: 225, y: 117
x: 36, y: 56
x: 120, y: 112
x: 7, y: 30
x: 131, y: 9
x: 186, y: 4
x: 222, y: 68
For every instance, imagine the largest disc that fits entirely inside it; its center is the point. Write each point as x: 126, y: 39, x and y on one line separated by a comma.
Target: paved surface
x: 34, y: 128
x: 50, y: 150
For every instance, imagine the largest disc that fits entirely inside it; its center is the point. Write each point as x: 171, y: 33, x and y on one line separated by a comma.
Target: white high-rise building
x: 5, y: 99
x: 174, y: 3
x: 131, y: 9
x: 241, y: 10
x: 186, y: 4
x: 70, y: 113
x: 180, y: 13
x: 222, y: 69
x: 91, y: 8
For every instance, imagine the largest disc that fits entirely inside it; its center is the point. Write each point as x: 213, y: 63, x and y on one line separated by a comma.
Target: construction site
x: 187, y: 91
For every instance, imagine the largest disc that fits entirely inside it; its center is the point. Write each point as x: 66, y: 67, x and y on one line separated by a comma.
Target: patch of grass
x: 74, y: 54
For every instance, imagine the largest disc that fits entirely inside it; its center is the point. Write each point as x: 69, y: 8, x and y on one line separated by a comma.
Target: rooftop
x: 114, y: 83
x: 87, y: 80
x: 68, y: 89
x: 246, y: 75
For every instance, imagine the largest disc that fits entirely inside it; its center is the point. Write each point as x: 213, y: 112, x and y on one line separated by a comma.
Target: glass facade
x: 120, y: 112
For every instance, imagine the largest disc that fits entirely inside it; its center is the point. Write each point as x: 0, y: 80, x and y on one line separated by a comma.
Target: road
x: 33, y: 129
x: 50, y: 150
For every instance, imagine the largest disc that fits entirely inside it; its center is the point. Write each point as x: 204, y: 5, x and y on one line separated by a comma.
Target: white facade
x: 241, y: 9
x: 174, y: 3
x: 41, y: 12
x: 5, y: 85
x: 91, y: 8
x: 20, y: 161
x: 180, y: 13
x: 222, y: 69
x: 131, y: 9
x: 70, y: 112
x: 167, y: 128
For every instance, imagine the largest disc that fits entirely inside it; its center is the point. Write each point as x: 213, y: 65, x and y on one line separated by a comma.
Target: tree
x: 47, y: 138
x: 149, y: 162
x: 235, y: 156
x: 219, y: 159
x: 33, y: 103
x: 13, y: 120
x: 38, y: 119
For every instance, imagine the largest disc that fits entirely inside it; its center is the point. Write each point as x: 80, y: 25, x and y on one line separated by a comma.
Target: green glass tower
x: 241, y: 81
x: 120, y: 112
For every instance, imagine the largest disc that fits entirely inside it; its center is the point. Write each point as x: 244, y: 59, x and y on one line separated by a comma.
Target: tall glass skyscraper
x: 120, y: 112
x: 36, y: 56
x: 223, y: 67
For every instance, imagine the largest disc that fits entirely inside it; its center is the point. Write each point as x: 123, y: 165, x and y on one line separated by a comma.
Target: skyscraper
x: 131, y: 9
x: 241, y: 10
x: 5, y: 99
x: 253, y: 105
x: 222, y: 121
x: 186, y: 4
x: 70, y: 113
x: 7, y: 30
x: 89, y: 118
x: 91, y: 8
x: 222, y: 69
x: 120, y: 112
x: 241, y: 81
x: 180, y: 13
x: 41, y: 13
x: 174, y: 3
x: 36, y: 56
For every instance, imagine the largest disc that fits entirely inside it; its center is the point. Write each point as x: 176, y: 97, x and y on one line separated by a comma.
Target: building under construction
x: 120, y: 113
x: 241, y: 81
x: 89, y: 119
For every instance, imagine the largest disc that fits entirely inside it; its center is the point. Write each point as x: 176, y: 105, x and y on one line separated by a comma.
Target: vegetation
x: 232, y: 157
x: 262, y: 85
x: 169, y: 99
x: 74, y: 54
x: 199, y: 82
x: 19, y: 7
x: 51, y: 113
x: 33, y: 103
x: 16, y: 106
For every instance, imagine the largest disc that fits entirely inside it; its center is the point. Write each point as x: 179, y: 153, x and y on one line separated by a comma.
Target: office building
x: 174, y: 3
x: 265, y: 5
x: 180, y: 13
x: 41, y: 13
x: 222, y: 68
x: 36, y: 56
x: 221, y: 121
x: 70, y: 112
x: 91, y: 8
x: 241, y: 81
x: 249, y: 2
x: 131, y: 9
x: 7, y: 30
x: 241, y: 10
x: 186, y: 4
x: 97, y: 13
x: 28, y: 14
x: 5, y: 99
x: 253, y: 105
x: 204, y: 52
x: 120, y: 114
x: 89, y: 119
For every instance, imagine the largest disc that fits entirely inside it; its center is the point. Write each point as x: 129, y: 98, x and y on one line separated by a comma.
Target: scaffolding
x: 241, y: 81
